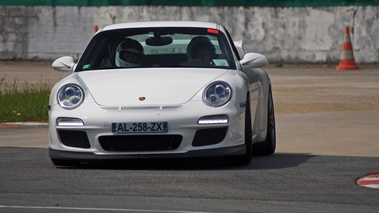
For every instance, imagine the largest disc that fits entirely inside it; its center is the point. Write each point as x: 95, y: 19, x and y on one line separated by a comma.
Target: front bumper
x: 67, y: 155
x: 185, y: 137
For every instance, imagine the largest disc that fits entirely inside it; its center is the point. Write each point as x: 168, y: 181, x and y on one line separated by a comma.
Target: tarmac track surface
x: 327, y: 138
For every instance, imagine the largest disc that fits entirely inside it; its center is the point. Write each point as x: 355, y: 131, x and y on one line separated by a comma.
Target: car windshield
x: 157, y: 47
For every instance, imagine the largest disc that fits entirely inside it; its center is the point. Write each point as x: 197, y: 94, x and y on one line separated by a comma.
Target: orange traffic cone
x: 95, y: 29
x: 347, y: 61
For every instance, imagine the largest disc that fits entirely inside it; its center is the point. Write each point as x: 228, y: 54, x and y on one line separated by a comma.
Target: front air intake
x: 76, y: 139
x: 204, y: 137
x: 140, y: 143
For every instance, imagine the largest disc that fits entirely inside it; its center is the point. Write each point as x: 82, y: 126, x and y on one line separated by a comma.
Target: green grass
x: 279, y: 65
x: 20, y: 101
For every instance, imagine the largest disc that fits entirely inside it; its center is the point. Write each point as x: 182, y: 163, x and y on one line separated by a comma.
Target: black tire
x: 60, y: 162
x: 268, y: 146
x: 243, y: 160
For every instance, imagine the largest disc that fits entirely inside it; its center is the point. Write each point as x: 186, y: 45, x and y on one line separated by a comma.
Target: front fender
x: 259, y: 77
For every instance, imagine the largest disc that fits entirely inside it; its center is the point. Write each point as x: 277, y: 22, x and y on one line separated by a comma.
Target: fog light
x: 214, y: 119
x: 69, y: 122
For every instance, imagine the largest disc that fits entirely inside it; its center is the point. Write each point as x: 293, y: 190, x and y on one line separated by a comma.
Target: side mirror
x: 64, y: 64
x: 253, y: 60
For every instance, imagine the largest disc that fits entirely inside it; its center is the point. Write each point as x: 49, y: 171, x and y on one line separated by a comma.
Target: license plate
x: 146, y: 127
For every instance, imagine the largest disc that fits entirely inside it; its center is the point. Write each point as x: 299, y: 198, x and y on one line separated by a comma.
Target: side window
x: 97, y: 55
x: 232, y: 43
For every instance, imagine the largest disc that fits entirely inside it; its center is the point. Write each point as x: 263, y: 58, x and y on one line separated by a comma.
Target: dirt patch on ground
x: 320, y: 88
x: 29, y: 72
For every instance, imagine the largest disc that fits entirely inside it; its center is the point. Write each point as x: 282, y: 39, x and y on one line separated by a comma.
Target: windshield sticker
x: 86, y: 66
x: 220, y: 62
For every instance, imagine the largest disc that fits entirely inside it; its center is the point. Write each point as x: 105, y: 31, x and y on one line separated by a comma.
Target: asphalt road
x: 283, y: 182
x: 327, y: 138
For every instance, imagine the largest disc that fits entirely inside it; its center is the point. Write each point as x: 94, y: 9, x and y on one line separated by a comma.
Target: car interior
x: 162, y: 48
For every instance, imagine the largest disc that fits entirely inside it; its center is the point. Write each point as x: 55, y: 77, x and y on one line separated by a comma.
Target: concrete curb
x: 10, y: 124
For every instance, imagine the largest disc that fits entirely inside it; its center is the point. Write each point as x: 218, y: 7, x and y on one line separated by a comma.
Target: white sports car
x: 162, y: 90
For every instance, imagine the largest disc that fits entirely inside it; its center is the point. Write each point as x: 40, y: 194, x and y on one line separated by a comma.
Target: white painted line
x: 370, y: 178
x: 96, y: 209
x: 374, y: 186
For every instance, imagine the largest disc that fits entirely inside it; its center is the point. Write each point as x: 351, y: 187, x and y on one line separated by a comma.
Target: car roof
x: 152, y: 24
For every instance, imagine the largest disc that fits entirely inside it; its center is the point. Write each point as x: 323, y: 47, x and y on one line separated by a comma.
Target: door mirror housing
x: 253, y: 60
x: 64, y: 64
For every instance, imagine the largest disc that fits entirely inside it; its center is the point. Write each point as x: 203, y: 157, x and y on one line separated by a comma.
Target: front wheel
x: 268, y: 146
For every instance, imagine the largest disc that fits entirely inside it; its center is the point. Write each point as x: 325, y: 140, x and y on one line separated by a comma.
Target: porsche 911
x: 163, y: 89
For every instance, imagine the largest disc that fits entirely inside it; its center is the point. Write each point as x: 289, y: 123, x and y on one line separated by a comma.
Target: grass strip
x: 21, y: 102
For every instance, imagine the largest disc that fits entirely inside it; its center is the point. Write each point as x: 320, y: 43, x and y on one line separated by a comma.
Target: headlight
x: 217, y: 94
x: 70, y: 96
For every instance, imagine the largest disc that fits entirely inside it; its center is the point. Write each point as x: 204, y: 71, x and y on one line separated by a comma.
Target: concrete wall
x: 290, y: 34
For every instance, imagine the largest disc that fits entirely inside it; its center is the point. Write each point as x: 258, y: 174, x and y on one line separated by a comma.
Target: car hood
x: 156, y: 86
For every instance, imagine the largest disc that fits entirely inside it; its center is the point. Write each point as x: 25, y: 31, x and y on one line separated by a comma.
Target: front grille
x: 71, y: 138
x: 140, y: 143
x: 204, y: 137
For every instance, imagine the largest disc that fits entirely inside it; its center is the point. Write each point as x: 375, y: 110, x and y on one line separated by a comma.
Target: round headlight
x: 217, y: 94
x: 70, y: 96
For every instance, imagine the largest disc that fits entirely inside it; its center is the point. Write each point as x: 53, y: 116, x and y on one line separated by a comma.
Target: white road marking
x: 96, y: 209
